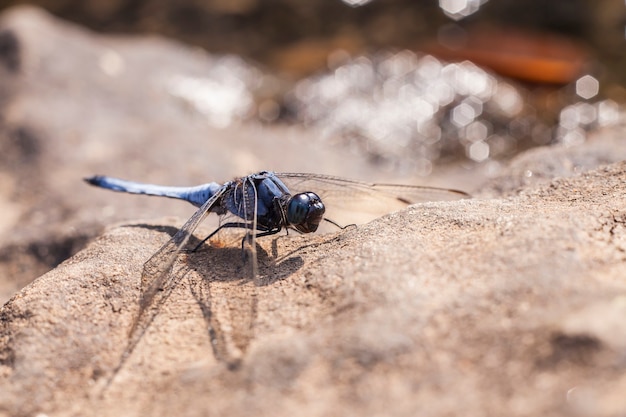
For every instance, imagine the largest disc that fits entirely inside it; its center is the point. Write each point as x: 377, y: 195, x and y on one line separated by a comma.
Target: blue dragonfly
x: 262, y: 204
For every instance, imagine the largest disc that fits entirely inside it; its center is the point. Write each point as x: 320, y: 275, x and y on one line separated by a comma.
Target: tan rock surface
x: 495, y: 307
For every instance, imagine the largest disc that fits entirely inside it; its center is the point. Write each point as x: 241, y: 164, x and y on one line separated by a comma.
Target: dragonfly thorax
x: 305, y: 212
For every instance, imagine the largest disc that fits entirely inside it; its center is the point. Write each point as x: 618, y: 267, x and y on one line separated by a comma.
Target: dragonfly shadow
x: 232, y: 261
x: 228, y: 295
x: 221, y: 282
x: 234, y: 264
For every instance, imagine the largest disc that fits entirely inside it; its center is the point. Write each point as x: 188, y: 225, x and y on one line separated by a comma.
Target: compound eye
x: 305, y: 212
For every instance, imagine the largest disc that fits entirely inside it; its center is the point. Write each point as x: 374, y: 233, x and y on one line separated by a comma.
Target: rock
x: 474, y: 307
x: 500, y: 306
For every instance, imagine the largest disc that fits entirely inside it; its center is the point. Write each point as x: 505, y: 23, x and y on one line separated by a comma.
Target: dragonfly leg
x: 265, y: 233
x: 334, y: 223
x: 239, y: 225
x: 248, y: 237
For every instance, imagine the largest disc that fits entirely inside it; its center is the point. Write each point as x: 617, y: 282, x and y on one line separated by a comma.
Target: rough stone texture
x: 478, y: 307
x: 494, y: 306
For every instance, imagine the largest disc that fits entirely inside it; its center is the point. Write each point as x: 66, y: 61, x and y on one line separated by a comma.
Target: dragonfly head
x: 305, y: 212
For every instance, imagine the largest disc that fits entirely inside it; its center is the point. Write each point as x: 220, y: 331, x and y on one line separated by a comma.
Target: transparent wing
x: 251, y: 203
x: 156, y: 282
x: 351, y: 201
x: 156, y: 268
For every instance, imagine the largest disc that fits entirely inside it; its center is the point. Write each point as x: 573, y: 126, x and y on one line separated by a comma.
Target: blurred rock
x: 493, y: 307
x: 540, y: 165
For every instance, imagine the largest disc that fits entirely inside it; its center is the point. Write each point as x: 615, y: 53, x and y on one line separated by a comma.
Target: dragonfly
x: 262, y: 204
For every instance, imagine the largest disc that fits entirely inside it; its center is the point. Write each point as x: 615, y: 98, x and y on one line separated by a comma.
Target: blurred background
x: 407, y: 83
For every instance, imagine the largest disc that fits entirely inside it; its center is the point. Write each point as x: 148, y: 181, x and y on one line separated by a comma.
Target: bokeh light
x: 411, y: 110
x: 459, y: 9
x: 356, y: 3
x: 222, y: 95
x: 587, y: 87
x: 578, y: 118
